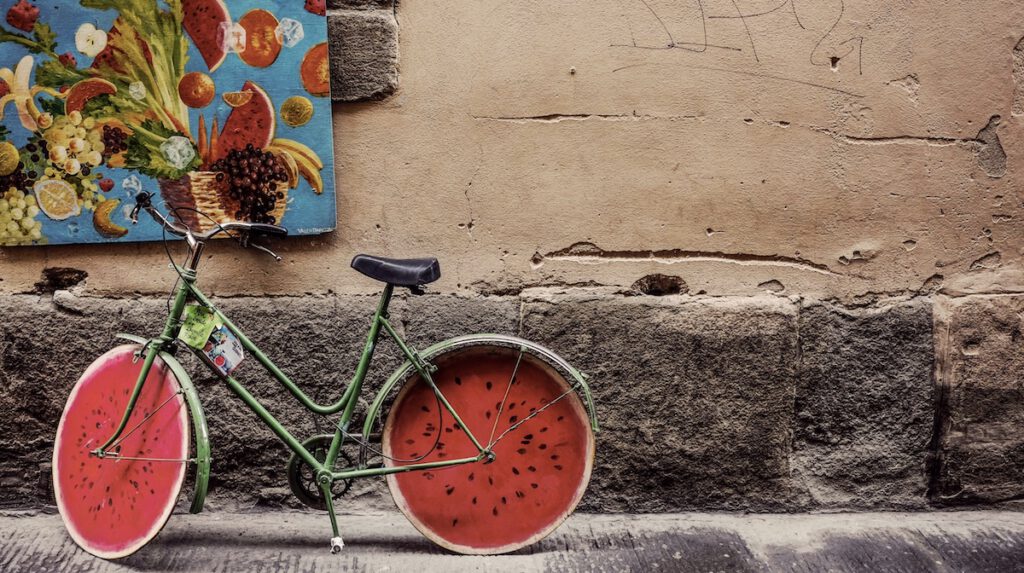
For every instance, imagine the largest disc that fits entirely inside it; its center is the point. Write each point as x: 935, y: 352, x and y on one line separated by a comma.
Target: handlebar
x: 143, y: 202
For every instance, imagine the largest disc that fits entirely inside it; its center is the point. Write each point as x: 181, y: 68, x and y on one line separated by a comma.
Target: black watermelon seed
x: 520, y: 494
x: 558, y: 467
x: 521, y: 450
x: 544, y: 429
x: 543, y: 446
x: 488, y: 414
x: 513, y: 419
x: 450, y: 490
x: 489, y: 385
x: 554, y: 456
x: 410, y: 441
x: 534, y: 486
x: 458, y: 381
x: 515, y: 470
x: 560, y: 418
x: 455, y: 522
x: 425, y: 409
x: 474, y: 500
x: 494, y: 511
x: 528, y: 437
x: 471, y: 477
x: 532, y: 469
x: 511, y: 406
x: 490, y: 480
x: 504, y: 500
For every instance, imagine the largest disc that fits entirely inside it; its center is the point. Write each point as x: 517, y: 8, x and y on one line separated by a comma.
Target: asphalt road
x: 984, y: 541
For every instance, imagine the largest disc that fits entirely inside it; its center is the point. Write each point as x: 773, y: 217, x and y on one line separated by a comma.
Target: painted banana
x: 301, y: 164
x: 305, y: 160
x: 290, y: 167
x: 299, y: 149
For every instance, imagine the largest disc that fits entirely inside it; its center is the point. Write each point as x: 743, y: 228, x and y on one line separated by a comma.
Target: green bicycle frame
x: 325, y: 471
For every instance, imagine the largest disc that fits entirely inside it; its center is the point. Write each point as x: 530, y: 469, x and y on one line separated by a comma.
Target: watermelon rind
x: 73, y: 530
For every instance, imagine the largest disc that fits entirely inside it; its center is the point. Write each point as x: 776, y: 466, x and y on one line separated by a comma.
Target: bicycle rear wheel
x: 540, y: 435
x: 115, y: 505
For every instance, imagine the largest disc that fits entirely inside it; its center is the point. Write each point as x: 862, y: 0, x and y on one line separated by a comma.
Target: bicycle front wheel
x: 114, y: 505
x: 517, y: 402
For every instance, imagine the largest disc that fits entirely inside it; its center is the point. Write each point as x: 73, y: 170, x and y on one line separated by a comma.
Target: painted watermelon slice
x: 250, y: 123
x: 202, y: 20
x: 115, y: 505
x: 541, y: 468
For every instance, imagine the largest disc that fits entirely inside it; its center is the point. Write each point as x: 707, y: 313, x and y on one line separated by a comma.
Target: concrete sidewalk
x: 989, y: 541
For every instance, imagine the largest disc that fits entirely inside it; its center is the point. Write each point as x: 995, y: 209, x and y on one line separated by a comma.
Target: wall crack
x: 585, y: 253
x: 986, y: 146
x: 560, y: 117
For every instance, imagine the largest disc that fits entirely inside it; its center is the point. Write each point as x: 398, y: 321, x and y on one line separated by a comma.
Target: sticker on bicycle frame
x: 224, y: 350
x: 197, y: 324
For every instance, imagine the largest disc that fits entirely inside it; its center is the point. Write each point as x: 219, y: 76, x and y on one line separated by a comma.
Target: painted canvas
x: 220, y: 108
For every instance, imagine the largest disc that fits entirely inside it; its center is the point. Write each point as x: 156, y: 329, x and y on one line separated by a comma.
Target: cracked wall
x: 825, y: 149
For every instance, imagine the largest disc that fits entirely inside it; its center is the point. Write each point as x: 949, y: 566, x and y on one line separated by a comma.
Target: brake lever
x: 266, y: 250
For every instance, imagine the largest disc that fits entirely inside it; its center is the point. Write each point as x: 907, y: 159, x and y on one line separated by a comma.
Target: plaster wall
x: 829, y: 149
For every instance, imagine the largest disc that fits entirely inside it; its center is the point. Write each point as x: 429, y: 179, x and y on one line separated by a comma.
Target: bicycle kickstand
x: 336, y: 543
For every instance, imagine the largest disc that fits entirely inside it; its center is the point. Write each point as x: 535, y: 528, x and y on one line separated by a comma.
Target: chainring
x: 302, y: 476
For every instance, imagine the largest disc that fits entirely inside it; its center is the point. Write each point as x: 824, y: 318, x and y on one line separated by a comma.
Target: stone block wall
x: 364, y: 49
x: 706, y: 403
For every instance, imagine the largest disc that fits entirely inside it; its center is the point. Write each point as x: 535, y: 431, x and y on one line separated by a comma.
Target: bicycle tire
x: 113, y: 506
x: 541, y: 468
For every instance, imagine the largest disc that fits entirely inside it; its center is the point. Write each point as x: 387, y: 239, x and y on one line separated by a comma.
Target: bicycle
x: 486, y: 447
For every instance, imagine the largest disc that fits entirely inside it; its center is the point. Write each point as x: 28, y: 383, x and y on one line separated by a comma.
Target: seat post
x: 385, y: 300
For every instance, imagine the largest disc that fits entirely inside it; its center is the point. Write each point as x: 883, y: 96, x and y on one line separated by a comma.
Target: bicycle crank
x: 302, y: 476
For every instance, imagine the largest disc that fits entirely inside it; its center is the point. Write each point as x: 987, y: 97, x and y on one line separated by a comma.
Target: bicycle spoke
x: 545, y: 407
x: 501, y: 408
x: 145, y: 419
x: 114, y: 456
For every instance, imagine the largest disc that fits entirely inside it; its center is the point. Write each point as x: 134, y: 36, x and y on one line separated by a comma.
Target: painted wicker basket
x: 200, y: 192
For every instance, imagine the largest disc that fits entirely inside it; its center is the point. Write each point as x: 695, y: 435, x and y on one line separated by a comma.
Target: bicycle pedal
x: 336, y: 545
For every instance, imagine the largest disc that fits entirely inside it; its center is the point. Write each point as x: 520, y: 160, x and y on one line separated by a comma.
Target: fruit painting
x: 222, y: 108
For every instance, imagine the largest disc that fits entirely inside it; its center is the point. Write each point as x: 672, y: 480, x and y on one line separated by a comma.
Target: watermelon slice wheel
x: 113, y: 506
x: 537, y: 428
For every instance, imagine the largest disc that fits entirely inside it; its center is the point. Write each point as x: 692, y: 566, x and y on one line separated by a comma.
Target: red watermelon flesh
x: 202, y: 20
x: 251, y: 123
x: 113, y: 507
x: 541, y: 468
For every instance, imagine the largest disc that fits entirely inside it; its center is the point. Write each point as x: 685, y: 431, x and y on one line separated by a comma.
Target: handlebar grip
x: 268, y: 229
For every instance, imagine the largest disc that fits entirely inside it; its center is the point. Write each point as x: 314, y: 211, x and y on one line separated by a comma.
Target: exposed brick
x: 364, y: 54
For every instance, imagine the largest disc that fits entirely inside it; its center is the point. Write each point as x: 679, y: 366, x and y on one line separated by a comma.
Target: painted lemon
x: 101, y: 220
x: 296, y: 111
x: 196, y: 89
x: 8, y: 158
x: 237, y: 99
x: 56, y: 198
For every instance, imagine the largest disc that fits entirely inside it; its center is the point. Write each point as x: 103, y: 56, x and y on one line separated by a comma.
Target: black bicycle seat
x: 399, y: 272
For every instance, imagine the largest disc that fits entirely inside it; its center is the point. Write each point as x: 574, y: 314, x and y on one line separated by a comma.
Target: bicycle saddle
x: 399, y: 272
